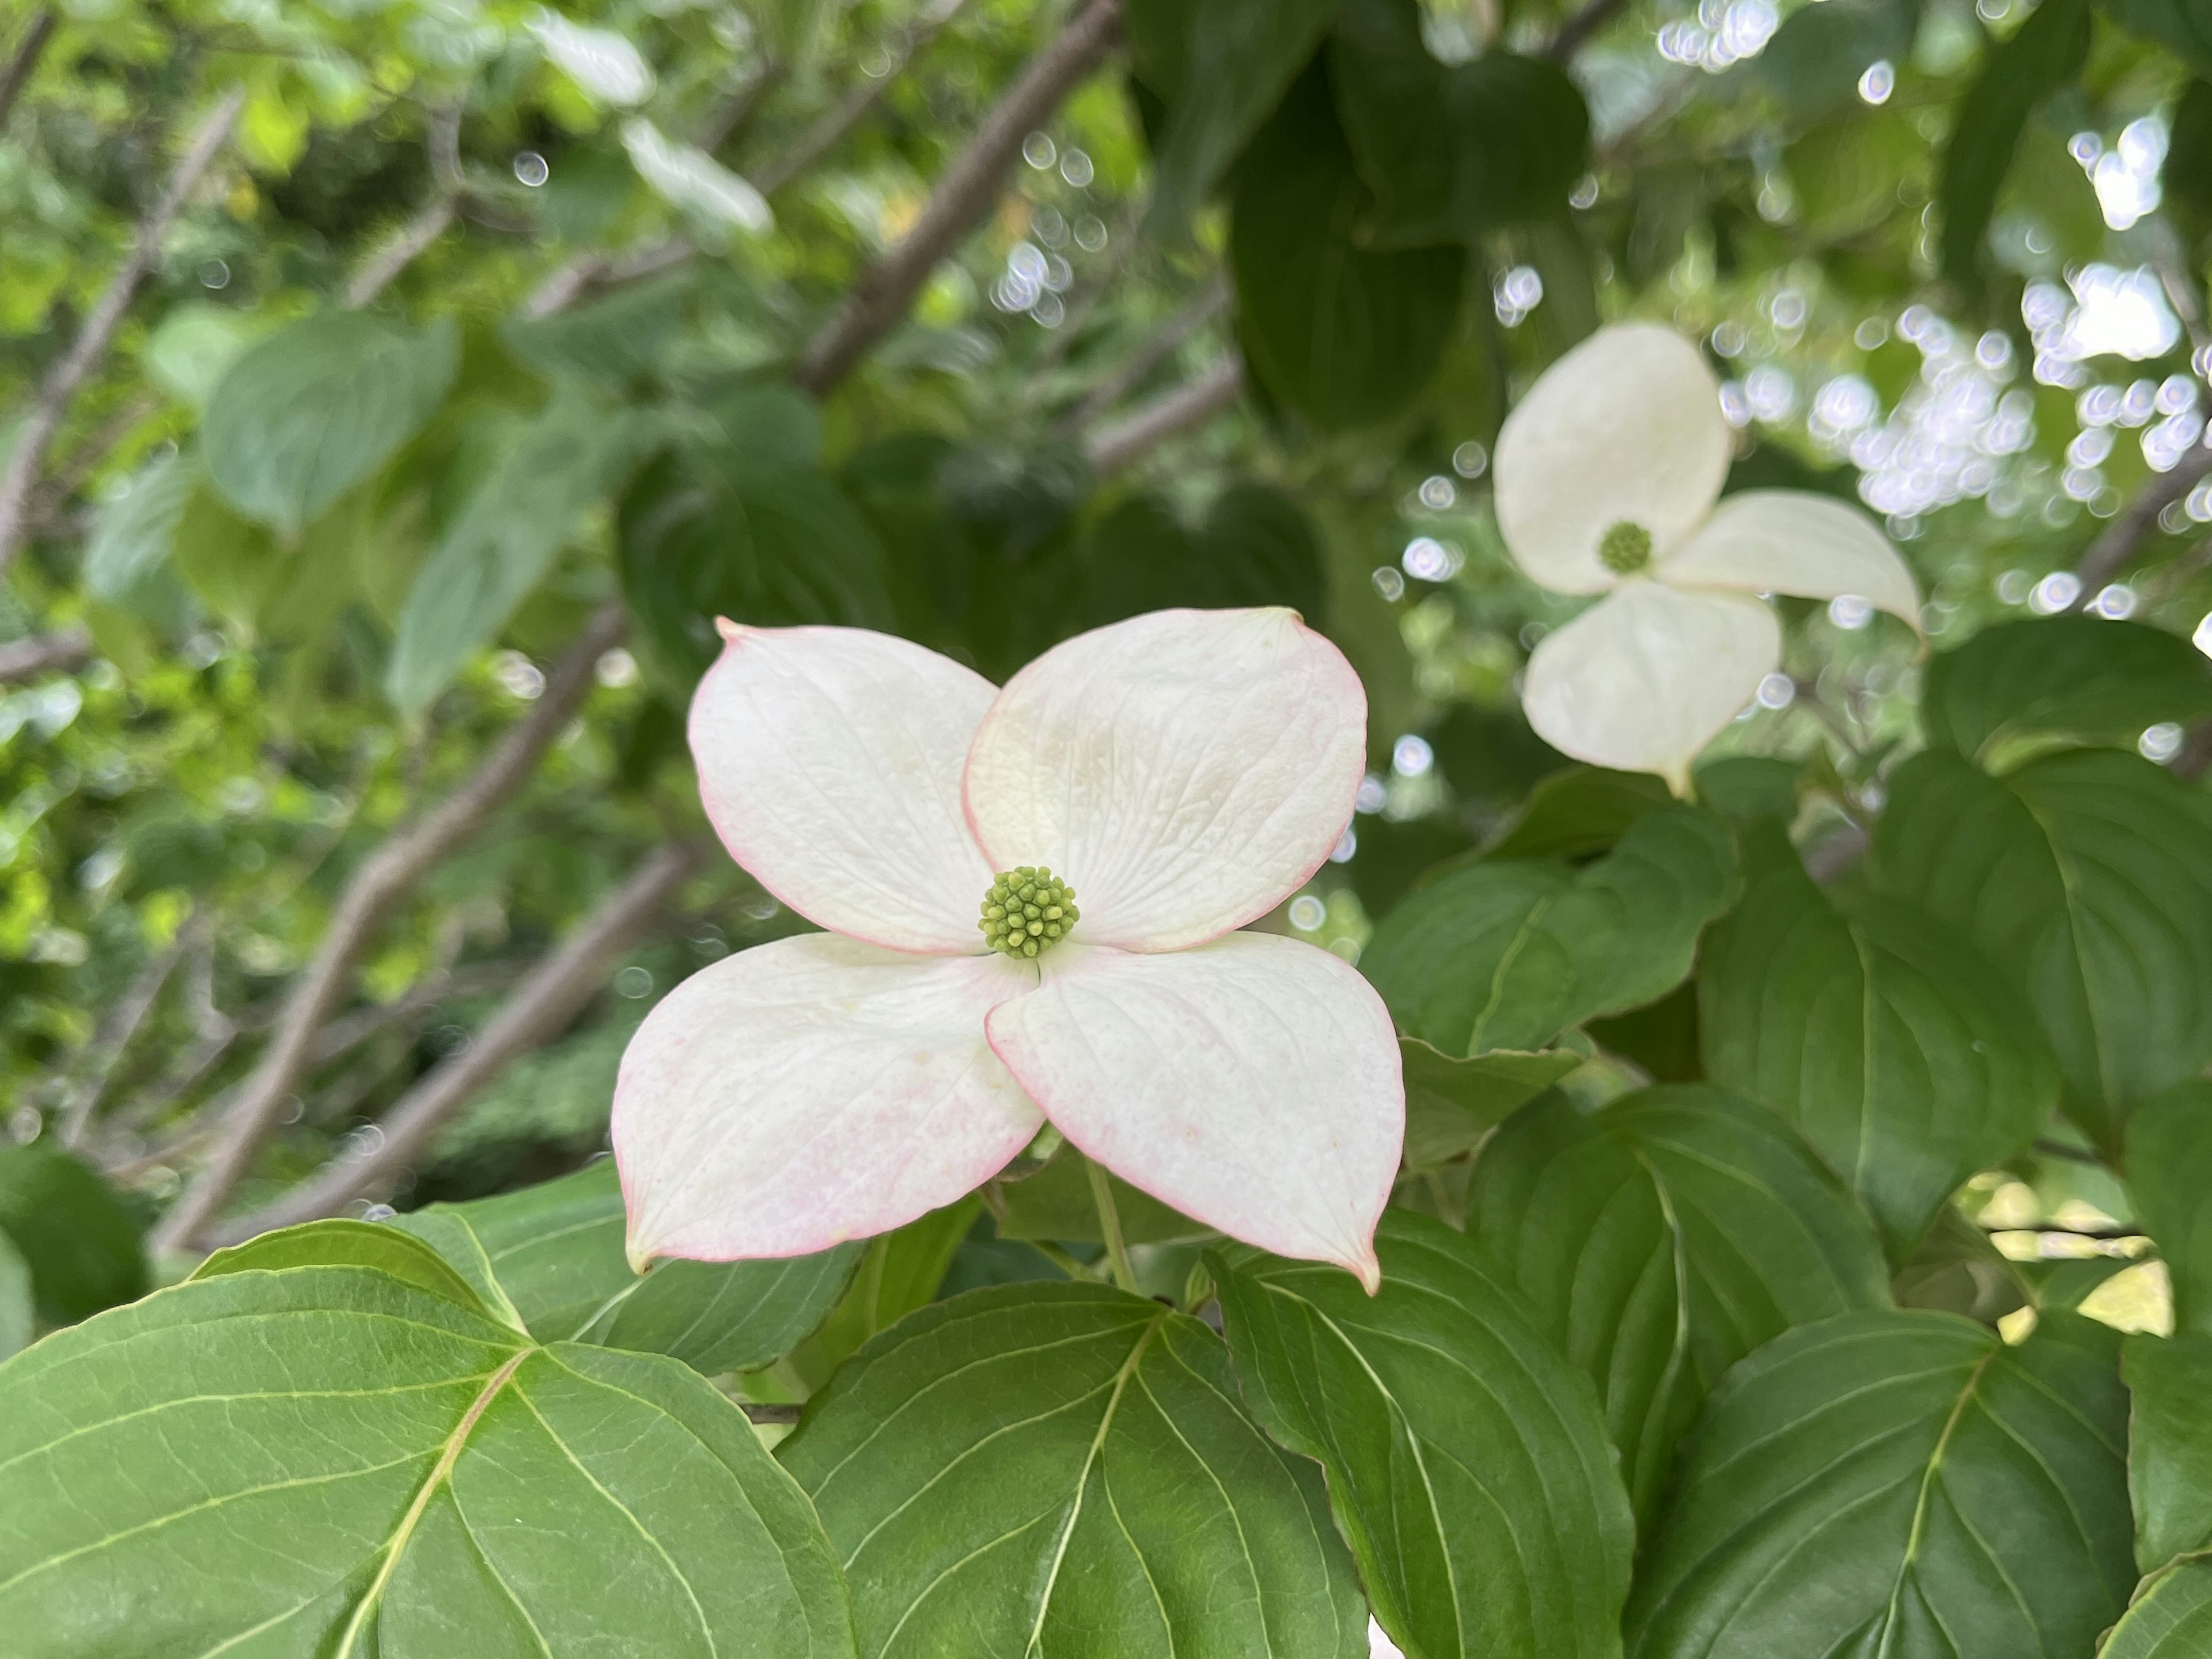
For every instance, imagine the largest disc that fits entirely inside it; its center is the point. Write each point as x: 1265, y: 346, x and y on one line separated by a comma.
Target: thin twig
x: 25, y: 62
x: 37, y: 654
x: 2127, y: 530
x: 60, y: 386
x: 1113, y: 447
x: 1163, y: 343
x: 377, y: 885
x: 963, y: 196
x: 765, y: 1410
x: 541, y: 1008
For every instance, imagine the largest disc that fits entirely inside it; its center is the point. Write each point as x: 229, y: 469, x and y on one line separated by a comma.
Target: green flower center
x: 1027, y: 911
x: 1625, y: 549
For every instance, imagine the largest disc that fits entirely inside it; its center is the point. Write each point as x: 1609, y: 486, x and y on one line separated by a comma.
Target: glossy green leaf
x: 80, y: 1241
x: 1901, y: 1483
x: 2087, y: 879
x: 1467, y: 1463
x: 302, y: 417
x: 1509, y: 953
x: 1222, y: 65
x: 135, y: 531
x: 18, y: 1311
x: 554, y: 1252
x: 2184, y: 28
x: 1065, y: 1469
x: 2170, y: 1445
x: 1662, y: 1239
x: 2074, y: 679
x: 1343, y: 332
x: 1451, y: 152
x: 328, y: 1460
x: 2169, y: 1164
x: 1452, y: 1105
x: 502, y: 543
x: 1883, y: 1037
x: 2046, y: 53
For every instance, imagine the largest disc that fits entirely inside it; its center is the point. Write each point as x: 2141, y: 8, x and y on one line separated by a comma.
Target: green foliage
x: 1902, y: 1479
x: 74, y: 1233
x: 1659, y: 1240
x: 1900, y: 1054
x: 1507, y: 953
x: 2068, y: 680
x: 1452, y: 1105
x: 1067, y: 1467
x: 387, y: 1492
x: 2182, y: 27
x: 2045, y: 54
x: 2169, y: 1161
x: 2087, y: 879
x: 1466, y: 1463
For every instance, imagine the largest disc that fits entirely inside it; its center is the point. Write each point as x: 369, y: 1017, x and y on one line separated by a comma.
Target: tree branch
x: 25, y: 62
x: 58, y: 653
x: 1576, y: 32
x: 2120, y: 539
x: 1113, y: 447
x: 380, y: 881
x: 540, y: 1008
x: 1148, y: 356
x: 402, y: 249
x: 963, y: 195
x: 827, y: 133
x: 63, y: 379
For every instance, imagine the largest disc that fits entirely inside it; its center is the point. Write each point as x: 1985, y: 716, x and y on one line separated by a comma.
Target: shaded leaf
x: 2170, y: 1445
x: 2045, y: 53
x: 1064, y: 1468
x: 1816, y: 58
x: 18, y: 1312
x: 1509, y: 953
x: 896, y: 1274
x: 2184, y: 28
x: 2075, y: 679
x: 302, y: 417
x: 1054, y: 1205
x: 1899, y: 1483
x: 1662, y: 1239
x: 72, y: 1230
x: 2087, y: 879
x: 1255, y: 548
x: 1883, y: 1037
x: 2169, y: 1146
x: 1580, y: 812
x: 1451, y: 1105
x: 135, y: 532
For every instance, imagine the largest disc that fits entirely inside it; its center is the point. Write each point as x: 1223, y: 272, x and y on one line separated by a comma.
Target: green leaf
x: 2184, y: 28
x: 2087, y: 879
x: 1452, y: 1105
x: 135, y: 532
x: 554, y: 1253
x: 1901, y: 1483
x: 350, y: 1244
x: 309, y: 412
x: 2170, y: 1445
x: 707, y: 534
x: 18, y: 1311
x: 898, y: 1272
x: 1256, y: 548
x: 1884, y: 1037
x: 2045, y: 53
x: 329, y: 1460
x: 1662, y: 1239
x: 194, y: 344
x: 1067, y: 1469
x: 1579, y: 813
x: 72, y: 1231
x: 1054, y: 1205
x: 1344, y: 333
x: 2170, y: 1617
x: 2186, y: 173
x: 614, y: 341
x: 1509, y: 953
x: 1451, y: 152
x: 2080, y: 680
x: 502, y: 543
x: 1223, y: 65
x: 2169, y: 1146
x: 1814, y: 60
x: 1467, y: 1463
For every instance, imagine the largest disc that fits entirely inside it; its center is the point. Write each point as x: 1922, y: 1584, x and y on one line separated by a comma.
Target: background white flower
x: 1185, y: 771
x: 1607, y: 476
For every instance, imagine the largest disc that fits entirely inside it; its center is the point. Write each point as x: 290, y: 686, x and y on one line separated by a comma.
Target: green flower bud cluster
x: 1027, y: 910
x: 1625, y: 549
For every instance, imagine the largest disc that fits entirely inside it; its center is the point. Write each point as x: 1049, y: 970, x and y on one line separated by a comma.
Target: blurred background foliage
x: 483, y: 324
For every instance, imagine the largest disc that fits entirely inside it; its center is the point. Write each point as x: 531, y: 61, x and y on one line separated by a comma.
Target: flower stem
x: 1110, y: 1223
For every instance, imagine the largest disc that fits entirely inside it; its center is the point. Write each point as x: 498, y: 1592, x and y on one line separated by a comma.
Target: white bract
x: 1183, y: 773
x: 1608, y: 480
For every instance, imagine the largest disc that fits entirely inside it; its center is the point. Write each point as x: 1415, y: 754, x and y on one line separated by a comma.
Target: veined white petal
x: 1252, y: 1083
x: 1626, y: 428
x: 1185, y: 771
x: 1791, y: 541
x: 829, y: 763
x: 811, y: 1090
x: 1643, y: 679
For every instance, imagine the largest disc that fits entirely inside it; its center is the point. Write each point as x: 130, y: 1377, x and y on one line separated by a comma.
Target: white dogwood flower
x: 1608, y: 480
x: 1032, y: 897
